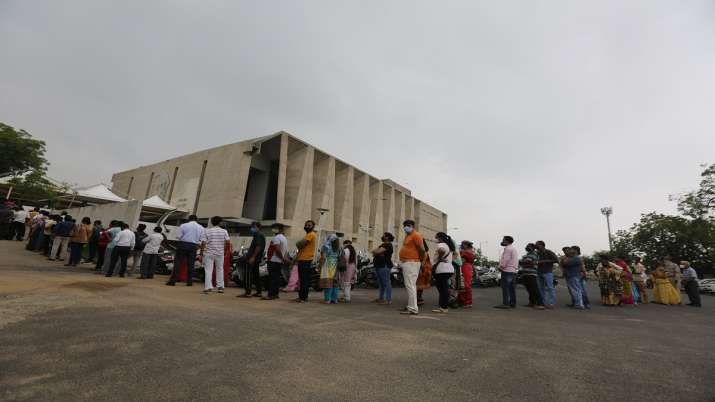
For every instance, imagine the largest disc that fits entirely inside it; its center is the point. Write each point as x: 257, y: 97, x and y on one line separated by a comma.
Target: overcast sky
x: 514, y: 117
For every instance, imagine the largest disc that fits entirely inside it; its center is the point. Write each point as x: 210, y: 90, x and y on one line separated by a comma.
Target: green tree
x: 701, y: 202
x: 35, y: 186
x: 658, y: 235
x: 20, y: 152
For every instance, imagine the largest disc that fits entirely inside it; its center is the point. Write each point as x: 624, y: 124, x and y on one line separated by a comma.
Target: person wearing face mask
x: 306, y: 255
x: 412, y: 253
x: 278, y: 257
x: 255, y: 255
x: 690, y: 281
x: 383, y: 265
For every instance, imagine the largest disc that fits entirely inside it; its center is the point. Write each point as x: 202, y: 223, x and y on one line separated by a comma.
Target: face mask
x: 274, y: 231
x: 503, y: 244
x: 254, y: 230
x: 308, y: 229
x: 408, y: 229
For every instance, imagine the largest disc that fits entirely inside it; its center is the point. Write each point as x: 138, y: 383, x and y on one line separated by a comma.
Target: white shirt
x: 191, y: 232
x: 153, y: 242
x: 280, y: 243
x: 125, y: 238
x: 20, y: 216
x: 215, y: 238
x: 444, y: 266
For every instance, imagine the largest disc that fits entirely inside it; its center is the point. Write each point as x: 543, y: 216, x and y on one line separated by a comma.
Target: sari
x: 627, y: 279
x: 611, y: 284
x: 424, y: 280
x: 664, y: 292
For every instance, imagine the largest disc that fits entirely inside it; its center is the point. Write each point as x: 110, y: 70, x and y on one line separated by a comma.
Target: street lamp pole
x: 607, y: 212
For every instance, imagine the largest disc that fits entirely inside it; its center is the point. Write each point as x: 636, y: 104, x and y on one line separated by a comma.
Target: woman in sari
x: 627, y: 279
x: 468, y: 255
x: 424, y: 280
x: 329, y: 253
x: 609, y: 282
x: 664, y: 292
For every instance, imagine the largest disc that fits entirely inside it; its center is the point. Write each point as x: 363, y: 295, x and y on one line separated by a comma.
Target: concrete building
x: 279, y: 178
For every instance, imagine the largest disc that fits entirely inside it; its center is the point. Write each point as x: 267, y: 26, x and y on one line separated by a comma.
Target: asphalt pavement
x: 69, y: 335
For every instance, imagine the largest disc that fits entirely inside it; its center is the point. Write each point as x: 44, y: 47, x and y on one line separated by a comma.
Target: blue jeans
x: 331, y: 294
x: 383, y: 280
x: 75, y: 253
x: 546, y: 288
x: 574, y: 284
x: 584, y: 295
x: 508, y: 288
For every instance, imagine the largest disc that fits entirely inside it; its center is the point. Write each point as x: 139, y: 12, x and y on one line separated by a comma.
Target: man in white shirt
x: 508, y: 265
x: 278, y: 257
x: 124, y: 244
x: 189, y: 236
x: 150, y: 256
x: 18, y: 223
x: 214, y: 246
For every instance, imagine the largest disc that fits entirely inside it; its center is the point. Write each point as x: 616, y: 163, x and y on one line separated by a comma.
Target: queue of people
x: 449, y: 267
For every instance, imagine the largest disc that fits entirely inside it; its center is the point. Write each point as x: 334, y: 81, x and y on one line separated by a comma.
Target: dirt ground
x: 68, y: 334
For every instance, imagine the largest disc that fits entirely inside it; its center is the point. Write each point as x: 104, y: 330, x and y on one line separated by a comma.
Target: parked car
x: 707, y: 285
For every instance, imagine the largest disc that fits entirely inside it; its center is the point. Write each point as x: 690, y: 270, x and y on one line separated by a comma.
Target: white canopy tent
x: 158, y: 203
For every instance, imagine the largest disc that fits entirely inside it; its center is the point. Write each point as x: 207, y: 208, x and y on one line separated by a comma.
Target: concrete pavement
x: 66, y: 334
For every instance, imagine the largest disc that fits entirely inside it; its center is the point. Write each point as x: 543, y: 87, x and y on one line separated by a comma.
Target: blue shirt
x: 63, y: 229
x: 113, y: 232
x: 572, y: 267
x: 191, y: 232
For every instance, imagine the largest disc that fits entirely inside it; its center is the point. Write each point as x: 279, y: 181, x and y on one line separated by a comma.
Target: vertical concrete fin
x: 323, y: 190
x: 282, y: 171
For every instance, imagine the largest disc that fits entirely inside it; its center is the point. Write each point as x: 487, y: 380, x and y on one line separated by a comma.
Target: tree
x: 658, y: 235
x: 35, y: 186
x: 20, y: 152
x: 701, y: 202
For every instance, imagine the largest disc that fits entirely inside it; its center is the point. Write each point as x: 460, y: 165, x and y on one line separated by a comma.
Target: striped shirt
x: 215, y: 238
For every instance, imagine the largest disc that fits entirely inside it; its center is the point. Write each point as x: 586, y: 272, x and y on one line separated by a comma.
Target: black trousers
x: 47, y: 245
x: 532, y: 287
x: 274, y: 271
x: 693, y: 291
x: 121, y: 253
x: 19, y: 230
x: 184, y: 250
x: 443, y: 289
x: 148, y: 265
x: 252, y: 278
x: 305, y: 276
x: 100, y: 258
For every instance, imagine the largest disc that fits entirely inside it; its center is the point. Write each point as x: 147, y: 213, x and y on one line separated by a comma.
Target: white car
x: 707, y: 285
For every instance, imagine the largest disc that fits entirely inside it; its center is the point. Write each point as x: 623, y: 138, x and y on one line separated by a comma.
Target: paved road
x: 69, y: 335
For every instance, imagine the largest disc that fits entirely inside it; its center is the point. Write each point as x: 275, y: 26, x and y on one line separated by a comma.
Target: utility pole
x: 607, y: 212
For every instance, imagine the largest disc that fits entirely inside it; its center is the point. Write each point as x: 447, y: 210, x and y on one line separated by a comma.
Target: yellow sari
x: 663, y: 291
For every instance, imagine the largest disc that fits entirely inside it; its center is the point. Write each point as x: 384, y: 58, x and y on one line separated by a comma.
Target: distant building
x: 279, y: 178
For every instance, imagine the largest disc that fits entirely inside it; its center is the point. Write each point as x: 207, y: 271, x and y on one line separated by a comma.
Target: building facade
x: 280, y: 178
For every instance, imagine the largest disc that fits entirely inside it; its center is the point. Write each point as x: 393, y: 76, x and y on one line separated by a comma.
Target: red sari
x: 465, y: 296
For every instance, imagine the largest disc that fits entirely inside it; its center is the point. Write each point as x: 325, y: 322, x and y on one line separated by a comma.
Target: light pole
x: 322, y: 212
x: 607, y: 212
